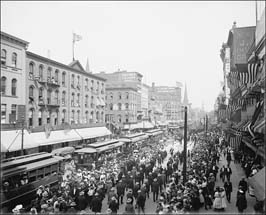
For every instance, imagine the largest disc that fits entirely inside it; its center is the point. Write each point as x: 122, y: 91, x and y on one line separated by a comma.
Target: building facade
x: 57, y: 93
x: 13, y: 65
x: 145, y: 101
x: 168, y: 99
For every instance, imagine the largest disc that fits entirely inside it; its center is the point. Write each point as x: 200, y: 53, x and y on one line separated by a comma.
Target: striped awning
x: 260, y: 126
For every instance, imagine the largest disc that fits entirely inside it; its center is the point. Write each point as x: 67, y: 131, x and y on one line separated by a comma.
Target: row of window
x: 88, y: 117
x: 13, y: 86
x: 55, y: 78
x: 119, y: 95
x: 13, y: 59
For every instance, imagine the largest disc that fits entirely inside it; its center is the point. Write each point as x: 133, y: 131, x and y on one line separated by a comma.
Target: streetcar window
x: 47, y: 170
x: 33, y: 173
x: 40, y: 173
x: 54, y: 168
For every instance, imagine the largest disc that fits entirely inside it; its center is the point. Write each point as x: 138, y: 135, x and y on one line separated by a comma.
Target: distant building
x: 168, y: 99
x: 145, y: 101
x: 13, y: 70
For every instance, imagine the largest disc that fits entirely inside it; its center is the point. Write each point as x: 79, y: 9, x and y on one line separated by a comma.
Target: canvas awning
x: 260, y: 126
x: 154, y: 132
x: 257, y: 182
x: 86, y: 150
x: 63, y: 151
x: 87, y: 133
x: 11, y: 140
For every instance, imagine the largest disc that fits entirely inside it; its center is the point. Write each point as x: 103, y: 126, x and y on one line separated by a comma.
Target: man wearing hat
x: 155, y: 189
x: 114, y: 205
x: 140, y: 202
x: 96, y: 204
x: 120, y: 187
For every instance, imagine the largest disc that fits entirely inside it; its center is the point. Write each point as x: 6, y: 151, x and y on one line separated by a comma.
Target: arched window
x: 14, y: 87
x: 126, y: 118
x: 31, y: 70
x: 41, y: 95
x: 40, y: 118
x: 87, y: 117
x: 119, y: 96
x: 92, y: 104
x: 63, y: 118
x: 63, y: 98
x: 126, y: 106
x: 56, y: 98
x: 102, y: 117
x: 31, y: 92
x: 111, y: 106
x: 119, y: 119
x: 86, y: 100
x: 97, y: 117
x: 72, y: 99
x: 78, y: 99
x: 3, y: 85
x: 48, y: 117
x: 49, y: 74
x: 49, y: 94
x: 56, y: 75
x: 119, y: 106
x: 127, y: 95
x: 86, y: 84
x: 14, y: 59
x: 92, y: 83
x: 72, y: 117
x: 78, y: 80
x: 91, y: 117
x: 78, y: 121
x: 30, y: 117
x: 56, y: 118
x: 41, y: 72
x: 111, y: 96
x: 3, y: 57
x: 63, y: 79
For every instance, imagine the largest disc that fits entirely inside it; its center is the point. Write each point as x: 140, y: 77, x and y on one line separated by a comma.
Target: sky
x: 167, y: 42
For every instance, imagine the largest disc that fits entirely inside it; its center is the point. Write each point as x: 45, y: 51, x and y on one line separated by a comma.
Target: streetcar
x: 21, y: 177
x: 95, y: 152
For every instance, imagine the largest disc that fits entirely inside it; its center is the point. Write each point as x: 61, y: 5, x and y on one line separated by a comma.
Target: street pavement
x: 237, y: 174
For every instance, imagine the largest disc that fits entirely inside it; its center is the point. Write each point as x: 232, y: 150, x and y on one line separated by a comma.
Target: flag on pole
x: 76, y: 37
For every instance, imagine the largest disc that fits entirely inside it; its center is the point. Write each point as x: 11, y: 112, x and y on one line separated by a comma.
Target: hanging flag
x: 253, y: 69
x: 76, y: 37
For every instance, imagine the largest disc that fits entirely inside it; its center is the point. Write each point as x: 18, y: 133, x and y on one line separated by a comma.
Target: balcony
x: 53, y: 83
x: 49, y: 103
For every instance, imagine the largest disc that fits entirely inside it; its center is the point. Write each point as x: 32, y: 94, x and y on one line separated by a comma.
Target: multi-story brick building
x: 58, y: 93
x: 13, y: 51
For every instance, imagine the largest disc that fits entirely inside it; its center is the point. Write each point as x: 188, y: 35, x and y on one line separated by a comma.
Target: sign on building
x: 21, y: 113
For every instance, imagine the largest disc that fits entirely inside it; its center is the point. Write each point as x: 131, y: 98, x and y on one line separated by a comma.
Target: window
x: 127, y: 95
x: 63, y: 98
x: 49, y: 93
x: 86, y: 84
x: 63, y: 79
x: 13, y: 113
x: 86, y: 100
x: 126, y: 118
x: 56, y: 97
x: 40, y: 118
x: 3, y: 57
x: 91, y: 117
x: 41, y: 95
x: 86, y: 117
x: 56, y: 118
x: 78, y: 116
x: 92, y: 83
x: 31, y: 72
x: 31, y: 92
x: 48, y: 117
x: 30, y: 117
x: 111, y: 96
x: 72, y: 116
x: 3, y: 113
x: 56, y: 76
x: 73, y: 81
x: 119, y: 95
x: 78, y: 81
x: 3, y: 85
x: 97, y: 117
x: 111, y: 106
x: 41, y: 73
x: 14, y: 59
x: 78, y: 98
x: 102, y: 117
x: 63, y: 116
x: 119, y: 119
x: 92, y: 105
x: 49, y: 74
x: 119, y: 106
x: 72, y: 99
x: 127, y: 106
x: 14, y: 87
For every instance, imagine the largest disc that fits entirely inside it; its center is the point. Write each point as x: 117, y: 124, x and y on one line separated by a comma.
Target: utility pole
x: 22, y: 138
x: 185, y: 148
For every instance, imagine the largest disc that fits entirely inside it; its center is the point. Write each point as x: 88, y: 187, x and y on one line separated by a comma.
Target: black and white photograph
x: 132, y: 107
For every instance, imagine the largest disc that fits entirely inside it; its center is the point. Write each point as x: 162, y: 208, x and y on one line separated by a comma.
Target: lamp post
x: 185, y: 148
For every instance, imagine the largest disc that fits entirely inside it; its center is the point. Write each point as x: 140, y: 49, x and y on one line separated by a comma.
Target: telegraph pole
x: 185, y: 148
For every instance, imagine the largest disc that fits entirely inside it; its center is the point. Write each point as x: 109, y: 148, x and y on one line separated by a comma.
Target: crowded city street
x: 132, y: 107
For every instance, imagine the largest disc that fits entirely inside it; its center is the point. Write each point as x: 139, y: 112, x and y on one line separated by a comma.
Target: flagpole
x: 73, y: 43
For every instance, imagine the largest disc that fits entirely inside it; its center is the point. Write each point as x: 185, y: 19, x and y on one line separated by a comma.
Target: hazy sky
x: 164, y: 41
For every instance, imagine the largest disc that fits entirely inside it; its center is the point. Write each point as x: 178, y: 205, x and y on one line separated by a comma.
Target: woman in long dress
x: 223, y: 196
x: 217, y: 203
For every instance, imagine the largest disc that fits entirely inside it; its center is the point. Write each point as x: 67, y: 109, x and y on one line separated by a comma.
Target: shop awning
x: 101, y: 144
x: 260, y: 150
x: 258, y: 183
x: 154, y: 132
x: 58, y: 136
x: 136, y: 137
x: 87, y: 133
x: 11, y: 140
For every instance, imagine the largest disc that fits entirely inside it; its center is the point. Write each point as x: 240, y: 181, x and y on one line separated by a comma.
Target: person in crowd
x: 228, y: 157
x: 223, y: 197
x: 120, y: 187
x: 222, y: 173
x: 217, y: 203
x: 243, y: 185
x: 114, y: 205
x: 140, y: 202
x: 96, y: 204
x: 228, y: 172
x: 155, y: 189
x: 129, y: 208
x: 241, y: 201
x: 228, y: 189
